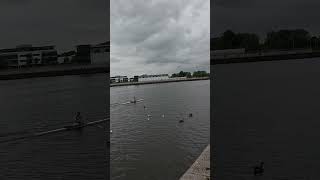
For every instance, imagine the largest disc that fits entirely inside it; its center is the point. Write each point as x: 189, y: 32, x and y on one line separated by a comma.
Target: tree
x: 200, y: 74
x: 286, y: 39
x: 182, y: 74
x: 231, y: 40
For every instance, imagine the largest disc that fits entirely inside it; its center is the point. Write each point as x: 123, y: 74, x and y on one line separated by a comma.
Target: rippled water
x: 47, y: 103
x: 160, y: 147
x: 267, y: 111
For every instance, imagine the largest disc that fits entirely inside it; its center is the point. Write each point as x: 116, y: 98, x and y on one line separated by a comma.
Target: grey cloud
x: 61, y: 23
x: 262, y: 16
x: 158, y: 36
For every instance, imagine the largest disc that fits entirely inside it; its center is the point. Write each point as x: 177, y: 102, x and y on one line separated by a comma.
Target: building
x: 118, y: 79
x: 93, y: 54
x: 27, y: 55
x: 135, y: 78
x: 66, y: 57
x: 157, y: 77
x: 83, y: 54
x: 100, y: 53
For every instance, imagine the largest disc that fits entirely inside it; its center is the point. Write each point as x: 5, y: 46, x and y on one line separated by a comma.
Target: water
x: 267, y: 111
x: 47, y: 103
x: 161, y: 147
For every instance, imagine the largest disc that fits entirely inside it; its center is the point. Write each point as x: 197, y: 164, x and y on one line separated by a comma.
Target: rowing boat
x: 66, y: 128
x: 130, y: 102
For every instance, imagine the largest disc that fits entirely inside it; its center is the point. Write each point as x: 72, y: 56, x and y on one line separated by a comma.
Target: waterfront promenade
x: 200, y: 169
x: 156, y: 82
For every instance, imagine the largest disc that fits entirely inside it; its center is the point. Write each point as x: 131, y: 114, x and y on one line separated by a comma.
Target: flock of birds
x: 181, y: 119
x: 257, y: 170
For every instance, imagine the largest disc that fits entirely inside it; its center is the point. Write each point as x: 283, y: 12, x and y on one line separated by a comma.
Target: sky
x: 64, y: 23
x: 262, y: 16
x: 159, y: 36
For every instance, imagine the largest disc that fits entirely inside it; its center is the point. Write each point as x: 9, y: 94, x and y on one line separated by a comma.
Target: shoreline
x: 200, y: 169
x: 157, y: 82
x: 52, y: 71
x: 279, y: 57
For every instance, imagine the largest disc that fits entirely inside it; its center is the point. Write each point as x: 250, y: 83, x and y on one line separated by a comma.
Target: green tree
x: 231, y: 40
x: 200, y: 74
x: 286, y: 39
x: 182, y: 74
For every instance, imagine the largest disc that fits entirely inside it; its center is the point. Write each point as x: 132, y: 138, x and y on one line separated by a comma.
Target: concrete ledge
x: 200, y: 169
x: 156, y: 82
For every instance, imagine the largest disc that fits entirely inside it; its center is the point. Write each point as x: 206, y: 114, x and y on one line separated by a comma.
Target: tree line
x: 189, y: 75
x: 282, y: 39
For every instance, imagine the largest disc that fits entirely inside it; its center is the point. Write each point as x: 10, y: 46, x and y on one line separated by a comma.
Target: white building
x: 100, y: 54
x: 118, y: 79
x: 26, y: 55
x: 157, y: 77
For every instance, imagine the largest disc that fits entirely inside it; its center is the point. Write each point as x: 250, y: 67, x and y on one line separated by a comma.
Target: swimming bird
x: 110, y: 131
x: 190, y: 115
x: 163, y: 115
x: 181, y: 121
x: 258, y: 170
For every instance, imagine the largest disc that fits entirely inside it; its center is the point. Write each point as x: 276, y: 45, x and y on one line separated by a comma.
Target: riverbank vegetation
x: 281, y: 39
x: 189, y: 75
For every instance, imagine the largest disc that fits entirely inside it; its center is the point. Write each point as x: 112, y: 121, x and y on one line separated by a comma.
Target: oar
x: 100, y: 126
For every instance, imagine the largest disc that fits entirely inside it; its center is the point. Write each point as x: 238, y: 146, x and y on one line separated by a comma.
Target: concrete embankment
x: 200, y: 169
x: 48, y: 71
x: 156, y: 82
x: 261, y: 58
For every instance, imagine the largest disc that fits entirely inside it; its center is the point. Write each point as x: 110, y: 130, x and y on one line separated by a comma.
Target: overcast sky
x: 64, y: 23
x: 261, y: 16
x: 159, y: 36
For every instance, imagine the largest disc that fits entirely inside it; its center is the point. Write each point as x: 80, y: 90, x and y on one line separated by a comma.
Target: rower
x: 79, y: 119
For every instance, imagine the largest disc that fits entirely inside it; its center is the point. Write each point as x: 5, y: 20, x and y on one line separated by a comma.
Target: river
x: 267, y: 112
x: 40, y: 104
x: 158, y: 147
